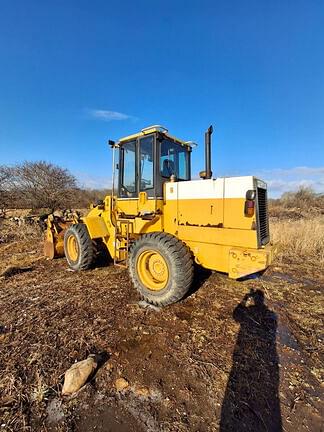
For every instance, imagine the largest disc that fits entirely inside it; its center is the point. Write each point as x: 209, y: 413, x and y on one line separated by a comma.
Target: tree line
x: 42, y: 184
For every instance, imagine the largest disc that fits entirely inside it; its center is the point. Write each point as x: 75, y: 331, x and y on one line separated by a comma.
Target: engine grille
x: 263, y: 218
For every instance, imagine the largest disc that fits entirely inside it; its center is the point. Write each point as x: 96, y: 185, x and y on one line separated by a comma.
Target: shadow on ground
x: 251, y: 401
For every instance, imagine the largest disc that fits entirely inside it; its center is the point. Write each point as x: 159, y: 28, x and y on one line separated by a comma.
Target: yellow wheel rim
x: 152, y: 270
x: 72, y: 248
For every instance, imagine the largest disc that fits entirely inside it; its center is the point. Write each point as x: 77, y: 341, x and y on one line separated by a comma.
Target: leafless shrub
x: 304, y: 203
x: 304, y: 198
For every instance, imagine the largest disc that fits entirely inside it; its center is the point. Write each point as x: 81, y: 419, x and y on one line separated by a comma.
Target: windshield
x: 174, y: 160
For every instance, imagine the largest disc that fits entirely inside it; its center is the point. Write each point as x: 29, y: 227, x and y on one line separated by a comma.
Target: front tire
x: 78, y: 247
x: 161, y: 268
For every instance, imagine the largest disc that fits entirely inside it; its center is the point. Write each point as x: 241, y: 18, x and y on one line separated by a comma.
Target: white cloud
x: 296, y: 171
x: 281, y: 180
x: 109, y: 115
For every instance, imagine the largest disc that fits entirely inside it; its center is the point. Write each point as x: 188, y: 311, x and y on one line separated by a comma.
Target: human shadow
x: 251, y: 401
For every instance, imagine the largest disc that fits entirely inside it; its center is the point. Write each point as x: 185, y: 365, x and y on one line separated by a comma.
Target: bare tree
x: 43, y: 185
x: 4, y: 192
x: 39, y: 184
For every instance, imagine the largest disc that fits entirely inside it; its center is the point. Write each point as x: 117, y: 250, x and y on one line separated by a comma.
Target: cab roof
x: 152, y: 129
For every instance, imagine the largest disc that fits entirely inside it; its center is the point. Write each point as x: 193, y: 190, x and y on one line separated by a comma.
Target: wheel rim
x: 153, y: 270
x: 72, y: 248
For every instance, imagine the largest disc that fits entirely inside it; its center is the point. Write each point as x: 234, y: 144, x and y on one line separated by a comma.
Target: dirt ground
x: 218, y: 360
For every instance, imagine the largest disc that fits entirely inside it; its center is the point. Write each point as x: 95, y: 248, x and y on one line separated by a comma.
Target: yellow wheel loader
x: 158, y: 221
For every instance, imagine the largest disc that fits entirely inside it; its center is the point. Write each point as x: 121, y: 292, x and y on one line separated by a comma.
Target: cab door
x: 128, y: 179
x: 146, y: 165
x: 137, y: 176
x: 128, y: 187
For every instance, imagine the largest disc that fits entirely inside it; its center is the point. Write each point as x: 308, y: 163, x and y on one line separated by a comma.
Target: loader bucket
x: 49, y: 248
x: 54, y: 244
x: 54, y: 237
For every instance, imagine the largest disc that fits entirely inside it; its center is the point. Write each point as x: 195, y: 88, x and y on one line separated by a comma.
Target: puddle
x: 288, y: 278
x: 276, y: 275
x: 252, y: 276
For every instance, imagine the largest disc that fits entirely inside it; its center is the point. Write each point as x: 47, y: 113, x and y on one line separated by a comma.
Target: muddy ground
x: 210, y: 362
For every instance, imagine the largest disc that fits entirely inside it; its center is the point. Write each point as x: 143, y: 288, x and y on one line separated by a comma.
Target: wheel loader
x: 158, y: 221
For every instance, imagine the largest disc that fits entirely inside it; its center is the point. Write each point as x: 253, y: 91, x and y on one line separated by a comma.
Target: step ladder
x: 124, y: 240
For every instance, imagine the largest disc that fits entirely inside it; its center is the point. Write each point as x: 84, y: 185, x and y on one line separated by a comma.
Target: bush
x: 304, y: 203
x: 304, y: 198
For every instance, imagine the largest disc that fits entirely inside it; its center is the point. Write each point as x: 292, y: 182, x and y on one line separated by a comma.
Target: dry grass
x: 10, y: 231
x: 300, y: 238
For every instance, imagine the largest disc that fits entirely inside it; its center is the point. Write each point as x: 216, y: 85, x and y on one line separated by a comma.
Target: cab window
x: 146, y: 163
x: 174, y: 160
x: 128, y: 181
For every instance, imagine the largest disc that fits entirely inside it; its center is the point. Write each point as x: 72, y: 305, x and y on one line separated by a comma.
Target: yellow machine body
x: 216, y: 230
x: 223, y: 221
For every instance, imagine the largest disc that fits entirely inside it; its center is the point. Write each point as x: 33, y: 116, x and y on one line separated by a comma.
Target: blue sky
x: 76, y: 73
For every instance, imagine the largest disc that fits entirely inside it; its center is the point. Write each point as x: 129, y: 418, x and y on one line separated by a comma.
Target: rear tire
x: 161, y: 268
x: 78, y: 247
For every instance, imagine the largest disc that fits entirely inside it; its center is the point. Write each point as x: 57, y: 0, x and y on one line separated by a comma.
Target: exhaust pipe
x: 207, y: 174
x: 208, y: 170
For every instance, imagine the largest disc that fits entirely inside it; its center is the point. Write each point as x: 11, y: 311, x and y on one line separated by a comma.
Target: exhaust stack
x: 207, y: 174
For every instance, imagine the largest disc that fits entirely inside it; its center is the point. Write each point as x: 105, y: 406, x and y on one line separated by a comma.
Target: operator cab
x: 150, y: 158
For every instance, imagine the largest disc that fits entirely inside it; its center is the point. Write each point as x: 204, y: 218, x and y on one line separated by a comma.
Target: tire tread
x: 87, y: 250
x: 181, y: 267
